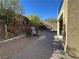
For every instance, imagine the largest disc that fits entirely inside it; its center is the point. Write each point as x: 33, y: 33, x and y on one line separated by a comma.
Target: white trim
x: 12, y: 39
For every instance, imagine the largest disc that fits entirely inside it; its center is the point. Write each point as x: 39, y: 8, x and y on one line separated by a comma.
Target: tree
x: 8, y: 8
x: 9, y: 4
x: 51, y: 20
x: 35, y: 20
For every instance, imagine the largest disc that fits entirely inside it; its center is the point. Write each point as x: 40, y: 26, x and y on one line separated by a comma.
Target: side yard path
x: 42, y: 47
x: 13, y: 47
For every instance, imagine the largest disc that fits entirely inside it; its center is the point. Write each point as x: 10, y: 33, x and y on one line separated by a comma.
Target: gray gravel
x: 43, y: 47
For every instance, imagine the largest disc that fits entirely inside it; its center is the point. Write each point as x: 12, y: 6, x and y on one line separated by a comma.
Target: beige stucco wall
x: 73, y: 29
x: 64, y: 12
x: 70, y: 11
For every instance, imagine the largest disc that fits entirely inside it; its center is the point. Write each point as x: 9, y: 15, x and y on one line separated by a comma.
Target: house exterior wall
x: 64, y: 12
x: 70, y: 11
x: 73, y: 29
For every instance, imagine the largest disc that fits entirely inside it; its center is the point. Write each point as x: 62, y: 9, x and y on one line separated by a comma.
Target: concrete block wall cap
x: 11, y: 39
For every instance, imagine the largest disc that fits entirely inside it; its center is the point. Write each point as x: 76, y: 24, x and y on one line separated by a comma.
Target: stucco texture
x: 73, y: 29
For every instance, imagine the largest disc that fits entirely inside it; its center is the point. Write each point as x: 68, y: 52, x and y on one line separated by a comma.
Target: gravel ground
x: 42, y: 47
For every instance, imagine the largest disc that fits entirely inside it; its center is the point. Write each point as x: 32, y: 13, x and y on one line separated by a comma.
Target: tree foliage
x: 51, y: 20
x: 34, y: 20
x: 9, y: 4
x: 8, y: 8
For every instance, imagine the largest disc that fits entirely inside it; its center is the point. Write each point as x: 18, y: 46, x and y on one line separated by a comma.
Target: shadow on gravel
x: 56, y: 44
x: 57, y: 47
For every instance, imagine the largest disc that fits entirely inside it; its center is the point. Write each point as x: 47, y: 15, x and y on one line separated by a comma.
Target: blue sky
x: 41, y: 8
